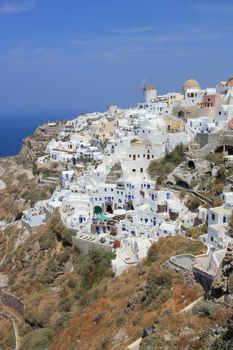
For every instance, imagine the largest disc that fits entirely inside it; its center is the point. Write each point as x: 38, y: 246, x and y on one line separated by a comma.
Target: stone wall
x: 86, y: 246
x: 12, y: 301
x: 203, y: 277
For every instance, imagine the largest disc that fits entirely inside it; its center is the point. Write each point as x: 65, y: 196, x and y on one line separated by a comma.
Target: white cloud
x: 9, y: 7
x: 134, y: 30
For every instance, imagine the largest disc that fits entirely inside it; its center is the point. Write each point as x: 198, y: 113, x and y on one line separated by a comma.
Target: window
x: 213, y: 217
x: 224, y: 219
x: 134, y: 170
x: 141, y: 170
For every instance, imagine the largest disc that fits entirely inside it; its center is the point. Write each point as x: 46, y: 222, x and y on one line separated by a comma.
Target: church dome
x: 191, y: 84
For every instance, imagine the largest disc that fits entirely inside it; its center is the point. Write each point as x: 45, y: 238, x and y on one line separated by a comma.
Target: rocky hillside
x: 69, y: 296
x: 22, y: 184
x: 207, y: 325
x: 35, y: 145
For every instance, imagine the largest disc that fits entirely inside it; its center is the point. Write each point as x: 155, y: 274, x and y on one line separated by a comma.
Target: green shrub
x: 216, y: 158
x: 121, y: 320
x: 206, y: 308
x: 38, y: 339
x: 193, y: 203
x: 168, y: 164
x: 197, y: 231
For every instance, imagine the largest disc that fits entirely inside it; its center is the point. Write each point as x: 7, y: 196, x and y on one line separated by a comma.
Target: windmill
x: 143, y: 86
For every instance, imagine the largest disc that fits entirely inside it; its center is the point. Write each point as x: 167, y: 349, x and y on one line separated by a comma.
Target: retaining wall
x: 86, y: 246
x: 12, y: 301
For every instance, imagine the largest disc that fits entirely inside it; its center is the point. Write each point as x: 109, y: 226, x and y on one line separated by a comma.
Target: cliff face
x: 35, y: 145
x: 222, y: 287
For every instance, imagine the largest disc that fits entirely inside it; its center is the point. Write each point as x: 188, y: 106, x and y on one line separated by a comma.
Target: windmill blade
x: 143, y: 84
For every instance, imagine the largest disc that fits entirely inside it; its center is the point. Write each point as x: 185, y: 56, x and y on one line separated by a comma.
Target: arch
x: 191, y: 164
x: 228, y: 148
x: 97, y: 210
x: 182, y: 183
x: 109, y: 209
x: 169, y: 183
x: 181, y: 114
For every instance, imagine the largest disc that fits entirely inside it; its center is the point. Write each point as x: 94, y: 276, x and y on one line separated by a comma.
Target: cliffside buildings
x: 113, y: 203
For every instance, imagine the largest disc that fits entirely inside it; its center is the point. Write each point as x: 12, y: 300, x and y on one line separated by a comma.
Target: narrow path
x: 200, y: 196
x: 190, y: 306
x: 7, y: 316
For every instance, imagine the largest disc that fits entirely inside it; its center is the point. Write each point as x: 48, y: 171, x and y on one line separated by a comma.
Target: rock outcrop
x: 222, y: 286
x: 35, y: 145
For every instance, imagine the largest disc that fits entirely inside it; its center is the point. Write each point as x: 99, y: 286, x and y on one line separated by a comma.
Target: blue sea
x: 14, y: 127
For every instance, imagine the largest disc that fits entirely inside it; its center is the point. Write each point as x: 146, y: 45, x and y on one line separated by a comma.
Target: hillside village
x: 122, y: 180
x: 111, y: 194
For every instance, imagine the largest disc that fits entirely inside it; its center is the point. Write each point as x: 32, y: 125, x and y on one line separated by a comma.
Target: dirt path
x: 9, y: 317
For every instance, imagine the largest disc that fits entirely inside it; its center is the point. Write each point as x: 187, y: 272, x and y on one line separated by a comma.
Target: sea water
x: 14, y: 127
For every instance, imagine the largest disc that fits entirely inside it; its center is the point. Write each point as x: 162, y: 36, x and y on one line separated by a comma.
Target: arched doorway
x: 181, y: 114
x: 183, y: 184
x: 97, y: 210
x: 109, y: 209
x: 191, y: 164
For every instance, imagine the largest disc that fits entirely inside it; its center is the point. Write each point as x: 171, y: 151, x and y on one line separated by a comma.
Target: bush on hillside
x: 197, y: 231
x: 166, y: 247
x: 216, y: 158
x: 168, y: 164
x: 206, y: 308
x: 93, y: 267
x: 38, y: 339
x: 193, y: 203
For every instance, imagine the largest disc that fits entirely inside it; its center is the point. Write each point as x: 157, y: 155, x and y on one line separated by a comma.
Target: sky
x: 88, y: 54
